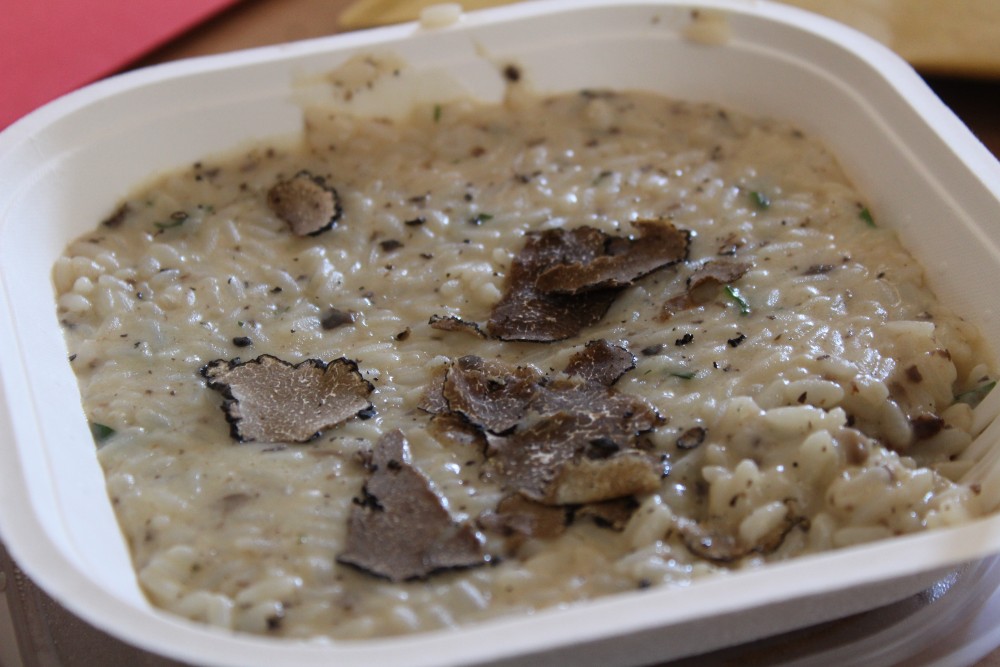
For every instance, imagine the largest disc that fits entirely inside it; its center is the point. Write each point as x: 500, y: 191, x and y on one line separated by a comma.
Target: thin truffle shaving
x: 582, y: 447
x: 399, y: 528
x: 601, y: 362
x: 723, y: 546
x: 703, y: 284
x: 564, y: 280
x: 490, y: 394
x: 528, y: 314
x: 306, y: 203
x: 620, y: 262
x: 452, y: 323
x: 565, y: 441
x: 518, y: 519
x: 270, y: 400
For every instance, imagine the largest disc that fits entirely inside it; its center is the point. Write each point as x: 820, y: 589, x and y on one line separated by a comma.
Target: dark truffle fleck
x: 512, y: 73
x: 390, y: 245
x: 685, y: 339
x: 270, y: 400
x: 335, y: 318
x: 926, y: 425
x: 691, y: 438
x: 306, y: 203
x: 242, y: 341
x: 400, y: 529
x: 818, y: 269
x: 116, y: 219
x: 731, y: 245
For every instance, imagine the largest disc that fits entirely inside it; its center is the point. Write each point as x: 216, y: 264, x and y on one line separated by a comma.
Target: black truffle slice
x: 561, y: 441
x: 270, y: 400
x: 455, y: 431
x: 518, y: 519
x: 717, y: 272
x: 578, y: 446
x: 564, y: 459
x: 433, y: 400
x: 491, y: 394
x: 400, y: 529
x: 703, y: 284
x: 525, y: 313
x: 601, y: 362
x: 613, y: 514
x: 620, y: 261
x: 452, y: 323
x: 633, y: 413
x: 306, y: 203
x: 722, y: 546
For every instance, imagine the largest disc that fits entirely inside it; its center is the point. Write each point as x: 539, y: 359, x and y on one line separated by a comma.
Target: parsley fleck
x: 760, y: 200
x: 866, y: 216
x: 101, y: 432
x: 735, y: 295
x: 975, y: 396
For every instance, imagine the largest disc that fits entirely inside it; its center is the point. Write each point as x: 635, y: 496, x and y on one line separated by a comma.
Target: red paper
x: 50, y: 47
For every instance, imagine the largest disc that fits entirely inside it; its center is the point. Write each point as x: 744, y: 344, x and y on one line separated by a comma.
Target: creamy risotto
x: 739, y: 363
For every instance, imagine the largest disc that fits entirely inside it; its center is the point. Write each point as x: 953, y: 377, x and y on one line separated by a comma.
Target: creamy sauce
x: 822, y: 384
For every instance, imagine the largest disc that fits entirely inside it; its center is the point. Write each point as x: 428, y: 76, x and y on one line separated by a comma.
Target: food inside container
x: 545, y: 326
x: 481, y: 360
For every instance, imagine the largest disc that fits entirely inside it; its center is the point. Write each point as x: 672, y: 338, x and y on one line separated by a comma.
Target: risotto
x: 421, y: 372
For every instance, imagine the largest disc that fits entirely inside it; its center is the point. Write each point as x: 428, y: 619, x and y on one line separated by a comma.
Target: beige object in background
x: 940, y: 36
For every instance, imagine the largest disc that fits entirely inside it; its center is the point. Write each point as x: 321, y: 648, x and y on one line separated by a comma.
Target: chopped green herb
x: 735, y: 295
x: 866, y: 215
x: 101, y: 432
x: 480, y: 218
x: 437, y: 113
x: 177, y: 218
x: 760, y: 200
x: 975, y: 396
x: 684, y: 375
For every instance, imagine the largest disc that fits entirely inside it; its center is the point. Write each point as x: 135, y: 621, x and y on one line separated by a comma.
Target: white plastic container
x: 65, y: 166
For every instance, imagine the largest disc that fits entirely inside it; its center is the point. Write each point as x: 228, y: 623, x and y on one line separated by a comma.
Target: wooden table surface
x: 262, y: 22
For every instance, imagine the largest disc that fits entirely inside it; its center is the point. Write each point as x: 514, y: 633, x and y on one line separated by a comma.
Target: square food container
x: 65, y: 167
